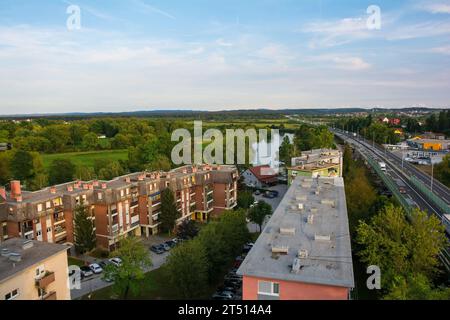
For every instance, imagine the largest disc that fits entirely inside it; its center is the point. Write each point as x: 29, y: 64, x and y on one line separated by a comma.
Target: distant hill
x: 261, y: 113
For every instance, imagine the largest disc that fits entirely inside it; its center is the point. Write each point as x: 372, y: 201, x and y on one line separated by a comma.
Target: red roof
x: 264, y: 173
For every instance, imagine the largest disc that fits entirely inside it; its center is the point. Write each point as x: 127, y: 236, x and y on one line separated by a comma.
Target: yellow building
x: 33, y: 270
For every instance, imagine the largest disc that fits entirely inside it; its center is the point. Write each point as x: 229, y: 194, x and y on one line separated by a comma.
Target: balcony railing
x: 43, y: 282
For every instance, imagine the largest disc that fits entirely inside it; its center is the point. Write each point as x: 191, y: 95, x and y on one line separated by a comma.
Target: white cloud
x: 348, y: 63
x: 441, y: 50
x: 435, y: 7
x: 152, y: 9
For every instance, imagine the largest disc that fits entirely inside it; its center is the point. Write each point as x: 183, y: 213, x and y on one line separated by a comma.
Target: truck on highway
x: 382, y: 166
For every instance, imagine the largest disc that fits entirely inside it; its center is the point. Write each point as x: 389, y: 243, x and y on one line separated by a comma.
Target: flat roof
x: 329, y: 260
x: 29, y: 257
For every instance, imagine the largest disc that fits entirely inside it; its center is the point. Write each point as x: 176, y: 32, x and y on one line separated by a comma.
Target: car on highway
x: 86, y: 272
x: 158, y: 249
x: 402, y: 190
x: 95, y: 267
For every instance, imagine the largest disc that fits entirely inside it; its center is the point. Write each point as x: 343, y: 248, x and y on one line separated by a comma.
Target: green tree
x: 5, y: 167
x: 187, y: 269
x: 286, y: 151
x: 169, y: 212
x: 84, y: 234
x: 90, y: 141
x: 400, y: 248
x: 258, y: 213
x: 245, y: 199
x: 113, y: 169
x: 128, y: 277
x: 188, y: 229
x: 84, y: 173
x: 160, y: 163
x: 61, y: 171
x: 416, y: 287
x: 443, y: 171
x: 22, y: 165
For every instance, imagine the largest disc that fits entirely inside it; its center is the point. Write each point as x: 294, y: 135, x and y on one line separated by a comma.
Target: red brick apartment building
x: 123, y: 206
x: 304, y: 252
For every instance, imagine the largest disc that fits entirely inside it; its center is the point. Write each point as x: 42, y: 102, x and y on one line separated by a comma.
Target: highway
x: 400, y: 176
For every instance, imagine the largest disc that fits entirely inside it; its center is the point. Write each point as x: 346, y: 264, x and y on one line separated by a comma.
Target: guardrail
x: 392, y: 186
x: 429, y: 194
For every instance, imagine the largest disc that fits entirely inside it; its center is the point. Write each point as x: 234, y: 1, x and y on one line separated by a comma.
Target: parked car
x: 268, y: 195
x: 116, y: 261
x: 171, y: 243
x: 233, y: 283
x: 95, y: 267
x: 247, y: 248
x: 157, y: 249
x: 402, y: 190
x: 257, y: 192
x: 165, y: 246
x: 104, y: 263
x: 86, y: 272
x: 228, y: 289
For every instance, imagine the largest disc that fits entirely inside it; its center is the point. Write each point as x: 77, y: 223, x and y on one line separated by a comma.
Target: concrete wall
x: 25, y: 280
x: 295, y: 290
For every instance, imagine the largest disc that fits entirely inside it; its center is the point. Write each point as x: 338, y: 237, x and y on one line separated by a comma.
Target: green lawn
x: 75, y: 262
x: 85, y: 158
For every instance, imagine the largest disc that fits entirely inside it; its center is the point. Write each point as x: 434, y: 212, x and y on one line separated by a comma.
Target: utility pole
x: 432, y: 167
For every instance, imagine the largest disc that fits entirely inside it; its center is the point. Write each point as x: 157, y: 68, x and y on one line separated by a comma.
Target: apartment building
x: 304, y: 252
x: 33, y: 270
x: 127, y: 205
x: 314, y: 163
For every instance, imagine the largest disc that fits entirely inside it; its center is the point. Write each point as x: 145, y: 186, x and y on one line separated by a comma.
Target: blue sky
x: 216, y: 55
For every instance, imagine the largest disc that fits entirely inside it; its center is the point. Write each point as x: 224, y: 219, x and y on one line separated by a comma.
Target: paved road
x: 395, y: 171
x: 95, y: 282
x: 281, y: 188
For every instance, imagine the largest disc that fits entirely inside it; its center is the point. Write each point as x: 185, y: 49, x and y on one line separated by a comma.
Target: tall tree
x: 22, y: 165
x: 129, y: 275
x: 188, y: 229
x: 258, y: 213
x: 84, y: 233
x: 187, y: 269
x: 169, y: 212
x: 61, y: 171
x: 401, y: 248
x: 245, y: 199
x: 286, y: 151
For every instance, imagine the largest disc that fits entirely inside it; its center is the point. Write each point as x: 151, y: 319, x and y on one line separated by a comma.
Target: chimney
x: 70, y: 188
x: 95, y: 183
x: 2, y: 193
x: 141, y: 177
x: 16, y: 192
x: 53, y: 190
x: 103, y: 185
x: 90, y: 186
x: 85, y: 186
x: 127, y: 180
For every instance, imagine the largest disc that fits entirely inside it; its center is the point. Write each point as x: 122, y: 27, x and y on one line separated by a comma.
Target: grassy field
x: 85, y: 158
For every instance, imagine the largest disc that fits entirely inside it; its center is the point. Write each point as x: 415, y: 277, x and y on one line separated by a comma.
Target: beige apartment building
x: 33, y: 270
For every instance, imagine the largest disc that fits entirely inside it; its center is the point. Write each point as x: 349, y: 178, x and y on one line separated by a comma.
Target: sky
x: 133, y: 55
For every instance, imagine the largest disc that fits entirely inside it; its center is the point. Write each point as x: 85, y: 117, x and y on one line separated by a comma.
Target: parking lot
x: 95, y: 282
x: 274, y: 202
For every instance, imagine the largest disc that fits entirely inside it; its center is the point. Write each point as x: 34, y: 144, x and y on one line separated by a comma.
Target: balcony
x: 43, y: 282
x: 49, y: 296
x: 134, y: 204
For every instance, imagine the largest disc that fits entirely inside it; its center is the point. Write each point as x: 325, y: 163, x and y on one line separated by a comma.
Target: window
x: 49, y: 229
x: 268, y: 288
x: 40, y: 270
x: 121, y: 193
x: 48, y: 205
x: 99, y: 196
x: 128, y: 191
x: 39, y: 207
x: 12, y: 295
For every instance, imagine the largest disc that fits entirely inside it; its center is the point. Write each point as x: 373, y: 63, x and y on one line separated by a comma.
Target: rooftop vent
x: 306, y: 185
x: 302, y: 254
x: 287, y: 231
x: 53, y: 190
x: 301, y: 206
x: 27, y: 244
x: 280, y: 249
x: 300, y: 197
x: 329, y: 202
x: 310, y: 219
x: 297, y: 265
x: 15, y: 257
x: 318, y: 237
x: 314, y: 210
